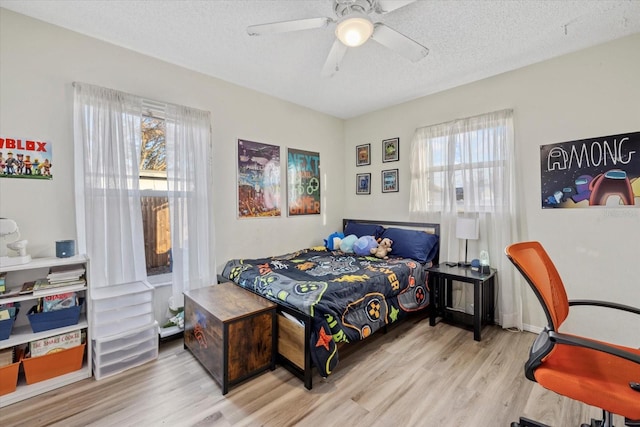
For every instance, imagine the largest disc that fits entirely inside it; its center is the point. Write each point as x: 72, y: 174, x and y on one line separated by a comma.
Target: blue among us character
x: 555, y: 199
x: 582, y: 188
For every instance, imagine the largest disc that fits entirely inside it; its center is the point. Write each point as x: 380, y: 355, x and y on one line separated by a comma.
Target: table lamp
x: 467, y: 229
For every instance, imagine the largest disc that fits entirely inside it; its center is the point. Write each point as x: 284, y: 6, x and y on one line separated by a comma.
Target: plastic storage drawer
x: 119, y: 342
x: 115, y: 297
x: 124, y: 364
x: 122, y: 325
x: 115, y: 315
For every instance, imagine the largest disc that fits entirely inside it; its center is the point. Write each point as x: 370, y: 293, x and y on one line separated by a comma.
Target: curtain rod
x: 464, y: 118
x: 143, y: 98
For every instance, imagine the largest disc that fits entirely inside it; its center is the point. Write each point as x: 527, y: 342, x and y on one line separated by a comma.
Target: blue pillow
x: 412, y: 244
x: 360, y: 229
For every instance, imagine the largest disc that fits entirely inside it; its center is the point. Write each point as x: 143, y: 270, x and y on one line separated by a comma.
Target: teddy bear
x: 383, y: 249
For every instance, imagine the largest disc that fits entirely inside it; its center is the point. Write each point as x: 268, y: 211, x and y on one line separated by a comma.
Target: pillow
x: 412, y: 244
x: 361, y: 229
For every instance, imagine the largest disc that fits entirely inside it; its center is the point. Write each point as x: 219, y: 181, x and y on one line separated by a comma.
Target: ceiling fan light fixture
x: 355, y: 29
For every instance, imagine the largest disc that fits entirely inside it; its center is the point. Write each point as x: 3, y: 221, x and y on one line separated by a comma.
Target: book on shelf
x: 63, y: 273
x: 27, y: 287
x: 10, y: 293
x: 43, y: 286
x: 55, y: 343
x: 6, y: 356
x: 59, y: 289
x: 59, y: 301
x: 3, y: 282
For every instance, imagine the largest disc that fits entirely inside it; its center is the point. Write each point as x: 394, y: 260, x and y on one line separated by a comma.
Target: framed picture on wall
x: 391, y: 150
x: 303, y: 182
x: 363, y: 183
x: 390, y: 181
x: 258, y: 179
x: 363, y: 155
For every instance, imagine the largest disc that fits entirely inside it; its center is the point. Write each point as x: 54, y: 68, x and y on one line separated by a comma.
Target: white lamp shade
x: 467, y: 228
x: 354, y: 30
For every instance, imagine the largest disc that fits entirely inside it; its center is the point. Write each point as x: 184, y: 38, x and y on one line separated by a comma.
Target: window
x: 459, y: 166
x: 154, y: 196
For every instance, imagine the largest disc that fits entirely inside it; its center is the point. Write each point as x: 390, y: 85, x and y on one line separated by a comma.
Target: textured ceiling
x: 467, y: 41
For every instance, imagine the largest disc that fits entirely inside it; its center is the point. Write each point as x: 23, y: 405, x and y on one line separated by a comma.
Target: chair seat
x: 593, y: 377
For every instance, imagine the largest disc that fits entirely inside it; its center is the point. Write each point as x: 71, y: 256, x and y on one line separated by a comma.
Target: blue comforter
x: 349, y: 297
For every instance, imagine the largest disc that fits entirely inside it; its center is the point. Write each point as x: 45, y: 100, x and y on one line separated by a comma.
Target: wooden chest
x: 231, y: 331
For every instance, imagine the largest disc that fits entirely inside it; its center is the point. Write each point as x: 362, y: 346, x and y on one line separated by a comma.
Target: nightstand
x: 441, y: 278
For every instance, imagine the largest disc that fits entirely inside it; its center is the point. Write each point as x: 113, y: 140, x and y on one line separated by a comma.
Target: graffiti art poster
x: 602, y: 171
x: 258, y: 179
x: 25, y: 158
x: 303, y: 182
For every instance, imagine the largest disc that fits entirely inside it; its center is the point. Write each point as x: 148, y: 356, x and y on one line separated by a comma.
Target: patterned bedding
x: 349, y: 297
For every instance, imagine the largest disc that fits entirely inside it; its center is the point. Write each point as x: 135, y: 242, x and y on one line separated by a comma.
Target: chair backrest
x: 534, y: 263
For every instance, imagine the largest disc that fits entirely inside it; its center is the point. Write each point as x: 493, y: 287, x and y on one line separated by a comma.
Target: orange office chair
x: 594, y: 372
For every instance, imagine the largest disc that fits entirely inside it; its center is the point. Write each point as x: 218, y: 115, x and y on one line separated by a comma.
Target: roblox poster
x: 25, y: 158
x: 303, y: 182
x: 258, y: 179
x: 602, y: 171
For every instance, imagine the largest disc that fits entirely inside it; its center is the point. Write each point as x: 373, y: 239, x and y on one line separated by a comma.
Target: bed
x: 328, y: 297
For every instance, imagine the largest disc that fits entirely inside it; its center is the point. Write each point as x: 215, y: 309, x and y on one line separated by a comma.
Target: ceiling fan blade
x: 332, y: 64
x: 402, y: 44
x: 286, y: 26
x: 386, y: 6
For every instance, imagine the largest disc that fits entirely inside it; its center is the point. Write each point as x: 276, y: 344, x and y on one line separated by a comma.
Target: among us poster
x: 258, y: 179
x: 602, y: 171
x: 303, y: 182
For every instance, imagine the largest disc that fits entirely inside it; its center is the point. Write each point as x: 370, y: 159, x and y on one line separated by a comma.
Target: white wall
x: 39, y: 62
x: 591, y: 93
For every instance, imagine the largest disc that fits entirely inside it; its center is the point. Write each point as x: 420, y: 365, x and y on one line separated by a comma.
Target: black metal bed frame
x: 306, y: 374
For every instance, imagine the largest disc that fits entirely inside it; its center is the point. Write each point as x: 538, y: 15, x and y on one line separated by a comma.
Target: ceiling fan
x: 354, y: 27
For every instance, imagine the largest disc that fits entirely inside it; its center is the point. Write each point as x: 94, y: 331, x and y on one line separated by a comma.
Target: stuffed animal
x: 346, y: 245
x: 332, y: 242
x: 383, y: 249
x: 364, y: 245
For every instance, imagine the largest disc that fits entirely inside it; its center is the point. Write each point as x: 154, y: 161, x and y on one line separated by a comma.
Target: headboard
x: 427, y: 227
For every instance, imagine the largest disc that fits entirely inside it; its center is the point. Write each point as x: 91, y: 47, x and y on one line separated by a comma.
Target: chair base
x: 526, y: 422
x: 607, y: 421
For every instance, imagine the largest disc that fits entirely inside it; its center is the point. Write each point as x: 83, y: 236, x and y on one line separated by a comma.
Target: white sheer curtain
x: 467, y: 167
x: 108, y: 215
x: 188, y: 138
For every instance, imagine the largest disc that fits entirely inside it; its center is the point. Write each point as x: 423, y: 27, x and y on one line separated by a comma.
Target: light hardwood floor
x: 414, y: 375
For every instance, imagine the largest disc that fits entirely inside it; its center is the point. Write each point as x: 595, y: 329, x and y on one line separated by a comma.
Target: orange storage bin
x: 54, y: 364
x: 9, y: 378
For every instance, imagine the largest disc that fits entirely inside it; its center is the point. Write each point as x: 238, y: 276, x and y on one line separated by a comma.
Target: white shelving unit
x: 22, y: 333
